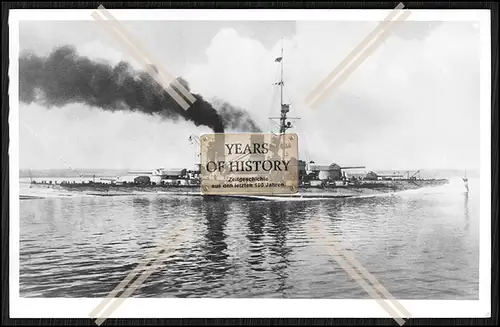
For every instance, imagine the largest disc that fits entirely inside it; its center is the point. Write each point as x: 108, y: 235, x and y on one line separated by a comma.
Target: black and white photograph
x: 109, y: 110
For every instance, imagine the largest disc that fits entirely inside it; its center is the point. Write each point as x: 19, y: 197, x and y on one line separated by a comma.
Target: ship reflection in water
x: 420, y: 245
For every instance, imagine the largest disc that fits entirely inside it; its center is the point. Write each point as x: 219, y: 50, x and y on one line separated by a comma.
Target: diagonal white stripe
x: 356, y: 63
x: 349, y: 263
x: 146, y: 53
x: 355, y: 52
x: 142, y: 60
x: 180, y: 235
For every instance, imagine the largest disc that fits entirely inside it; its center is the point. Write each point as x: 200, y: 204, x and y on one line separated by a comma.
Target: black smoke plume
x: 234, y: 118
x: 64, y: 77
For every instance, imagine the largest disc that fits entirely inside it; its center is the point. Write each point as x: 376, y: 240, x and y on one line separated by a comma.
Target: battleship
x: 314, y: 180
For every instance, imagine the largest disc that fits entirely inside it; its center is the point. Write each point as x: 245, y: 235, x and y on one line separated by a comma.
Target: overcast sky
x: 413, y: 104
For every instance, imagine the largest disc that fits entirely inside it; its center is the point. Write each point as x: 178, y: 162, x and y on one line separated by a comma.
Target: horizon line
x: 135, y: 168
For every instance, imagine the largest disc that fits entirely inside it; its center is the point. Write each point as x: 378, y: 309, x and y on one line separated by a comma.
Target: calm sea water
x: 420, y: 244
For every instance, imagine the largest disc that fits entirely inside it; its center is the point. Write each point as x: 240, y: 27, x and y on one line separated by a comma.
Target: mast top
x: 285, y: 108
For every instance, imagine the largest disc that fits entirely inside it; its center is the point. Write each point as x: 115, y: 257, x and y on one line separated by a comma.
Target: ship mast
x: 284, y: 123
x: 283, y: 114
x: 284, y: 108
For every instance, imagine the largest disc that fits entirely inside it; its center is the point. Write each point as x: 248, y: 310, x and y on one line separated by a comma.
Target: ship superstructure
x: 315, y: 180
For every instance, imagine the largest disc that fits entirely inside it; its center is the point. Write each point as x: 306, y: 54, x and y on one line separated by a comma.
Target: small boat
x: 466, y: 181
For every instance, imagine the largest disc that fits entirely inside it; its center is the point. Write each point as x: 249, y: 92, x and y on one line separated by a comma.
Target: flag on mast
x: 278, y: 59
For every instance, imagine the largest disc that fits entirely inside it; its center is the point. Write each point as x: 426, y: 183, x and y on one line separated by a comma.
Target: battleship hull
x: 339, y: 185
x: 305, y: 192
x: 338, y: 192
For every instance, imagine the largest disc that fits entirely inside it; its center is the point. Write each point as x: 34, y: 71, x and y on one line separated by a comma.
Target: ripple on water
x: 419, y: 245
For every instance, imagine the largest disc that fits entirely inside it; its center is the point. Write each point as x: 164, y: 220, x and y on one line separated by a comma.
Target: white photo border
x: 253, y: 308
